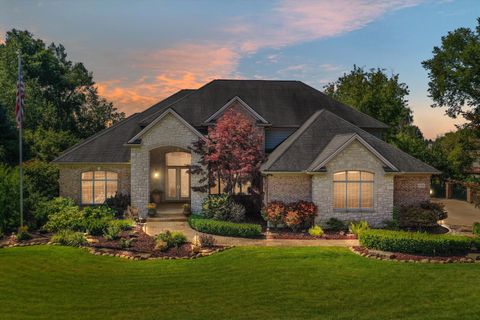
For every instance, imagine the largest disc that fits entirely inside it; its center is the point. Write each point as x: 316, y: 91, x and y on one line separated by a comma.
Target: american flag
x: 20, y: 95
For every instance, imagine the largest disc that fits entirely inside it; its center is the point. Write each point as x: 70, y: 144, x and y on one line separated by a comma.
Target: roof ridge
x: 94, y: 136
x: 285, y: 145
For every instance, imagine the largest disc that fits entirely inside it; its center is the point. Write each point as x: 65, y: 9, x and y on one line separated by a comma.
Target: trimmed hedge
x: 476, y: 228
x: 415, y: 242
x: 224, y: 228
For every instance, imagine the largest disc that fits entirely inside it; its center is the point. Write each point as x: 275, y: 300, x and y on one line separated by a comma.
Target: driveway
x: 461, y: 214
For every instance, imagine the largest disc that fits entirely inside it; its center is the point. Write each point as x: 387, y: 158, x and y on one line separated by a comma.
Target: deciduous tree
x: 375, y: 93
x: 454, y: 73
x: 231, y: 152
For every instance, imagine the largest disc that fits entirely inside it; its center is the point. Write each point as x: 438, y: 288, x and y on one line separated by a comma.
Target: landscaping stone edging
x: 389, y: 256
x: 115, y: 253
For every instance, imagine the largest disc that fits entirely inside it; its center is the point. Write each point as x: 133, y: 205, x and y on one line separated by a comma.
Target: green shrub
x: 476, y: 228
x: 112, y: 232
x: 95, y: 227
x: 69, y: 217
x: 315, y: 231
x: 334, y: 224
x: 42, y: 177
x: 414, y: 242
x: 101, y: 212
x: 123, y: 224
x: 126, y: 242
x: 216, y: 206
x: 172, y: 239
x: 119, y: 203
x: 207, y: 241
x: 222, y: 207
x: 225, y: 228
x: 9, y: 193
x: 237, y: 212
x: 358, y: 227
x: 69, y: 238
x: 425, y: 214
x: 23, y: 234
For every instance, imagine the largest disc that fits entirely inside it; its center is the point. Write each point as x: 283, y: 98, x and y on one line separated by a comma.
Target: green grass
x: 47, y: 282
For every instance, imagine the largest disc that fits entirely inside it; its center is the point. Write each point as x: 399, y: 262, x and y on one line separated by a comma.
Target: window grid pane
x: 339, y: 194
x: 353, y: 190
x: 98, y: 185
x: 98, y: 192
x: 87, y: 192
x: 367, y: 195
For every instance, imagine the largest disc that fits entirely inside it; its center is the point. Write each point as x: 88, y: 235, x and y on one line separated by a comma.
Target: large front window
x: 353, y: 190
x: 98, y: 186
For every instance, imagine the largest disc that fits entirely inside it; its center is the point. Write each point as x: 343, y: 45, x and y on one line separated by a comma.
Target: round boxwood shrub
x: 414, y: 242
x: 225, y: 228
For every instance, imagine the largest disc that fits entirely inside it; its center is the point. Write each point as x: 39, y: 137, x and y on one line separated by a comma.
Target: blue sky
x: 142, y: 51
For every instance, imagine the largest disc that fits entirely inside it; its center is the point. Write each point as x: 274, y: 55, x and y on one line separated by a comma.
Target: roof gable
x: 138, y: 136
x: 322, y: 135
x: 337, y: 145
x: 242, y: 103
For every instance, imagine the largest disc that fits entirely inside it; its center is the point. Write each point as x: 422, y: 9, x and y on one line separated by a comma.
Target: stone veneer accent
x: 411, y: 189
x: 288, y: 187
x: 71, y: 178
x: 170, y: 132
x: 354, y: 157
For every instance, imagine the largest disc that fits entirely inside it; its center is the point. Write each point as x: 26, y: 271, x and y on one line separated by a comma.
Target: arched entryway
x: 169, y: 177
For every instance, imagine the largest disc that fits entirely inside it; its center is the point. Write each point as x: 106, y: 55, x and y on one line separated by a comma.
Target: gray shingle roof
x: 107, y: 146
x: 325, y: 130
x: 281, y: 103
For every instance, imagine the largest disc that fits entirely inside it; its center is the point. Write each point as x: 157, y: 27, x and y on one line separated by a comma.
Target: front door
x: 178, y: 184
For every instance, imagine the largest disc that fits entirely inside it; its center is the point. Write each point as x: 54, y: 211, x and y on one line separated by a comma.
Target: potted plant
x: 152, y: 209
x: 156, y: 196
x: 186, y: 209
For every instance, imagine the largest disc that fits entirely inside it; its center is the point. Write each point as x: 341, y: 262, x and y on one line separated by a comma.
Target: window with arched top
x: 98, y: 186
x: 353, y: 190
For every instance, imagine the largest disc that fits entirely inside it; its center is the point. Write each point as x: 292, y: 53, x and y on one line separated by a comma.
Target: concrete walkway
x: 154, y: 228
x: 461, y: 214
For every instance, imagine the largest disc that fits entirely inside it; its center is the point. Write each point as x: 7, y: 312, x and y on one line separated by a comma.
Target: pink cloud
x: 190, y: 65
x: 297, y: 21
x: 167, y: 71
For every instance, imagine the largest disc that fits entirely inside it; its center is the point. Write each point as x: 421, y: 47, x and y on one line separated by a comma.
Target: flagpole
x: 20, y: 147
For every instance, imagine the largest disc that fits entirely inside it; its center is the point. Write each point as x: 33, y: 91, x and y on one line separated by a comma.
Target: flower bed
x: 305, y: 236
x: 415, y: 242
x: 404, y: 257
x: 225, y: 228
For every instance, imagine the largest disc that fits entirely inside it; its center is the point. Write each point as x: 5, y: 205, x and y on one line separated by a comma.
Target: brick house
x: 318, y: 150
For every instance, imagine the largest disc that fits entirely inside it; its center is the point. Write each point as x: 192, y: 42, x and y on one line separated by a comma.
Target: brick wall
x: 71, y: 178
x: 411, y: 189
x: 288, y: 187
x: 354, y: 157
x: 167, y: 132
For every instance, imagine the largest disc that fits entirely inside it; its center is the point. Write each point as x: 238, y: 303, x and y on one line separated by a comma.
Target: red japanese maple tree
x: 231, y: 152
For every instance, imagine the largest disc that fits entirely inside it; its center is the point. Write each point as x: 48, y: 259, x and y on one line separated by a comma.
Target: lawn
x: 46, y: 282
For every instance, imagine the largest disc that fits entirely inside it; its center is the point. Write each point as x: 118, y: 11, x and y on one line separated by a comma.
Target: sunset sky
x: 142, y: 51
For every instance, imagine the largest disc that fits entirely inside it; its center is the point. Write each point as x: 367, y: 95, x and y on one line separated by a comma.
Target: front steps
x: 168, y: 217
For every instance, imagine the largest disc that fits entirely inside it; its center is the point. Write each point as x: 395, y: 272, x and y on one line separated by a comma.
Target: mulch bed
x: 143, y: 247
x: 328, y: 235
x: 37, y: 238
x: 404, y: 257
